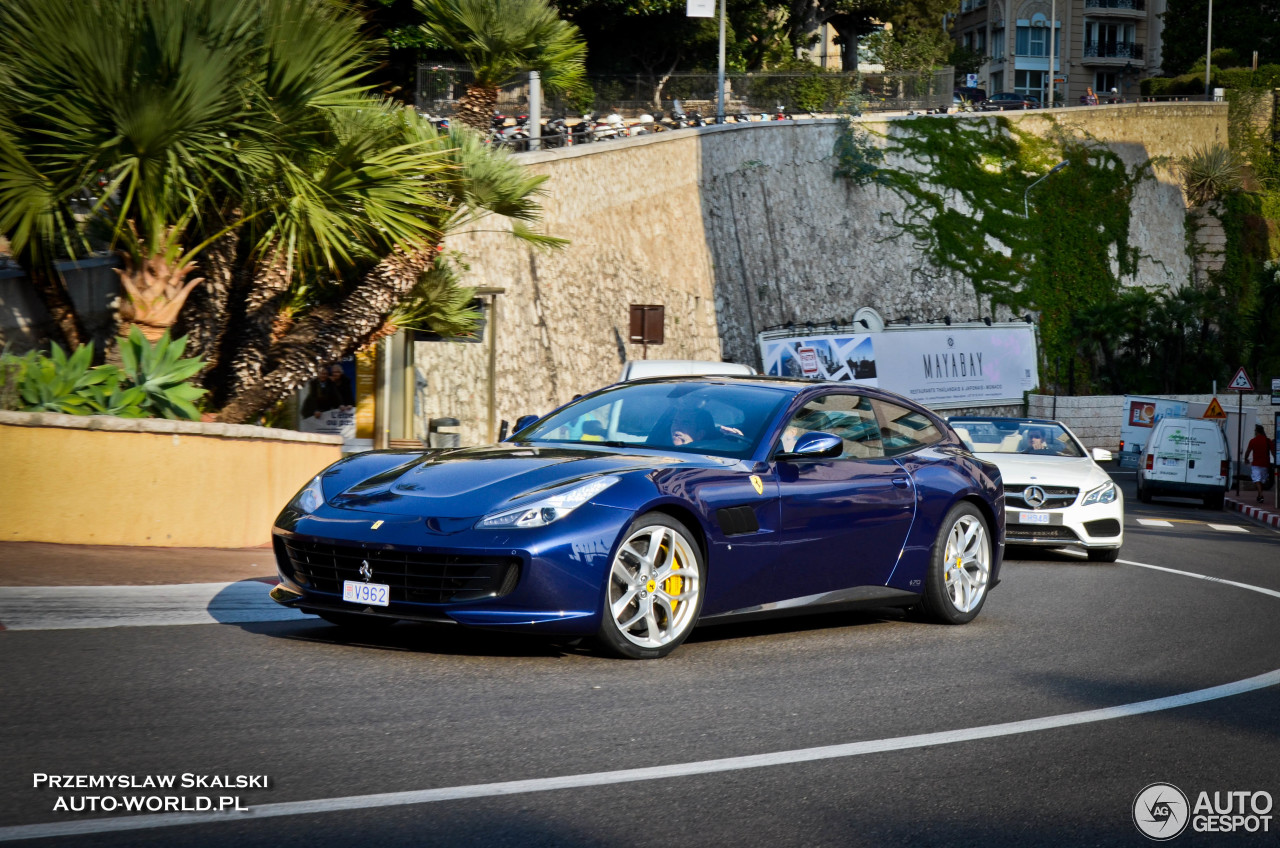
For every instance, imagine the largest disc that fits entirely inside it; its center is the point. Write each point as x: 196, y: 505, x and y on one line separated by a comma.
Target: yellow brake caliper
x: 674, y: 584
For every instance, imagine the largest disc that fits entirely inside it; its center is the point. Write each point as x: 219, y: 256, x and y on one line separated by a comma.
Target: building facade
x: 1107, y: 45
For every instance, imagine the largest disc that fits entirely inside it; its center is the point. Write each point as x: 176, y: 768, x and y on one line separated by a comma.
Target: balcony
x: 1133, y: 10
x: 1125, y: 5
x: 1110, y: 52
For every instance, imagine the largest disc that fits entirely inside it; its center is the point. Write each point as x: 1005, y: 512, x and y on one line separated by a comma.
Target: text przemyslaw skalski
x: 187, y: 780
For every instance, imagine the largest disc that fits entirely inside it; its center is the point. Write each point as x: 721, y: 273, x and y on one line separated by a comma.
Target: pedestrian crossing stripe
x: 1230, y: 528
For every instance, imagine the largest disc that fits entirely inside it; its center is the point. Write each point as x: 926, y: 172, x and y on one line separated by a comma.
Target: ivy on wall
x: 964, y: 184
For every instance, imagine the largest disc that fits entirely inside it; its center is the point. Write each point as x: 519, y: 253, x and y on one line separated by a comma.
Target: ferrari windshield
x: 690, y: 417
x: 1016, y: 436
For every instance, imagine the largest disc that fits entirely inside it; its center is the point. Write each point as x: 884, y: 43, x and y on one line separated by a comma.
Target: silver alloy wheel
x: 653, y: 586
x: 967, y: 563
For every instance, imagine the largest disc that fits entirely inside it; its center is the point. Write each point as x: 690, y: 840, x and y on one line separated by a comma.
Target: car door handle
x: 901, y: 482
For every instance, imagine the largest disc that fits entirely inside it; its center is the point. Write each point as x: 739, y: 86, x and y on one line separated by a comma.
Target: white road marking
x: 75, y: 607
x: 574, y: 781
x: 1229, y: 528
x: 1154, y: 522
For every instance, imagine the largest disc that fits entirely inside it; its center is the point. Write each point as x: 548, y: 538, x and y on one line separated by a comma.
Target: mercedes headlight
x: 1104, y: 494
x: 543, y: 512
x: 310, y: 498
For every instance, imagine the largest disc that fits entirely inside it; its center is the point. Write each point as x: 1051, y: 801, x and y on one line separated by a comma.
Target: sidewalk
x: 45, y: 564
x: 1247, y: 504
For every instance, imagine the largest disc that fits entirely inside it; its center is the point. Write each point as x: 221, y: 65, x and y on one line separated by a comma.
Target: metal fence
x: 439, y: 87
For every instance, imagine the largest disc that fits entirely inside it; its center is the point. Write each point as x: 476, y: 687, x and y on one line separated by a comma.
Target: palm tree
x: 500, y: 39
x: 261, y: 199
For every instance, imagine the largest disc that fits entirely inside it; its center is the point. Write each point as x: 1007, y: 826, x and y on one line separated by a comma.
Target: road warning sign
x: 1241, y: 382
x: 1215, y: 411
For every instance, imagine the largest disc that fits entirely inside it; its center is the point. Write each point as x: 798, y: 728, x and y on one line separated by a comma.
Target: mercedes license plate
x: 370, y: 594
x: 1033, y: 518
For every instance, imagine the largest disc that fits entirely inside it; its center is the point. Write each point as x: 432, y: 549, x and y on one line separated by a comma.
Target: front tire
x: 959, y: 567
x: 1103, y: 554
x: 653, y: 591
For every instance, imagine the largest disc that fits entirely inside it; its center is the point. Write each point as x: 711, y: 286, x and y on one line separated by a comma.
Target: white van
x: 1185, y: 457
x: 639, y: 369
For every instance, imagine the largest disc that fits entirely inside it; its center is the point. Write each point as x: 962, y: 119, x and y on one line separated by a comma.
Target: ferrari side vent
x: 737, y: 520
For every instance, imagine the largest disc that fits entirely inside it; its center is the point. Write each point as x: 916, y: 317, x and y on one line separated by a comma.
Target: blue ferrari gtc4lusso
x: 640, y: 510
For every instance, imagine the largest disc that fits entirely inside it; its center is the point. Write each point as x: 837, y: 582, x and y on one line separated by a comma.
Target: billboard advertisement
x: 940, y: 367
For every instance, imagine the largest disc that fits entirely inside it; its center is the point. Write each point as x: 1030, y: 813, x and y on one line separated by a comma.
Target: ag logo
x: 757, y: 484
x: 1161, y: 811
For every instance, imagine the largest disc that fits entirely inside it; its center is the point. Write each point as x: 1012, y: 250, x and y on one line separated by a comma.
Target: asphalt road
x: 1020, y: 745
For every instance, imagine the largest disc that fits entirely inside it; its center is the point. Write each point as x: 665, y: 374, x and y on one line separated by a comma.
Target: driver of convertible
x: 1036, y: 443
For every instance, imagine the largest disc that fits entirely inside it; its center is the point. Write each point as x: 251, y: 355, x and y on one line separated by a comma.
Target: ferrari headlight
x: 310, y: 498
x: 543, y: 512
x: 1104, y: 494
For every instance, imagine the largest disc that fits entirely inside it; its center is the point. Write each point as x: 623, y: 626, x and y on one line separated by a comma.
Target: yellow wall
x: 99, y: 487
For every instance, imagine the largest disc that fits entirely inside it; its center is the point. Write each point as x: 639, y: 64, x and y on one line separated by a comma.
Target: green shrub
x: 153, y: 382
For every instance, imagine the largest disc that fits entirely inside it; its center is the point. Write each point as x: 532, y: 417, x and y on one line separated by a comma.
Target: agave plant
x: 160, y: 373
x: 1209, y: 173
x: 58, y: 382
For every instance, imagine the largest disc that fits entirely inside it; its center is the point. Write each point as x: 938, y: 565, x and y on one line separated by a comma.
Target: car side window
x: 850, y: 417
x: 905, y: 430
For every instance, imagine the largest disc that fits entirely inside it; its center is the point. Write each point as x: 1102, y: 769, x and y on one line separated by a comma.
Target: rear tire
x: 1144, y: 492
x: 1104, y: 554
x: 1214, y: 501
x: 959, y: 567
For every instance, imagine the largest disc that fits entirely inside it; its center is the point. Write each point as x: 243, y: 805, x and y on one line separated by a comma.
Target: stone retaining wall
x: 736, y: 228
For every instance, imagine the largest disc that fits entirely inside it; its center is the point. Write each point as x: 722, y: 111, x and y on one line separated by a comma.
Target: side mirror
x: 522, y: 422
x: 1101, y: 455
x: 814, y: 445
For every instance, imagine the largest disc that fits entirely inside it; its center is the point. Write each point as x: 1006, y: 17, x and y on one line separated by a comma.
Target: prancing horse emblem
x: 757, y: 484
x: 366, y: 571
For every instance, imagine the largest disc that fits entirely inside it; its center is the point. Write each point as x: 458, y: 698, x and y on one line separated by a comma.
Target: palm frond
x: 502, y: 38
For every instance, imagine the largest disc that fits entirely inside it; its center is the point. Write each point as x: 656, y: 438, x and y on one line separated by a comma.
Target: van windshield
x: 1016, y: 436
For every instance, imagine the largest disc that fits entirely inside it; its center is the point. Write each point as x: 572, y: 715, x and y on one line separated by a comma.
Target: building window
x: 1029, y: 83
x: 997, y: 82
x: 1103, y: 82
x: 997, y: 43
x: 980, y: 41
x: 1034, y: 41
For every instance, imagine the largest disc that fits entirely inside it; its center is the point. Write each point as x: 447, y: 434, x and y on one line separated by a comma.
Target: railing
x: 1112, y: 50
x: 439, y: 88
x: 1134, y: 5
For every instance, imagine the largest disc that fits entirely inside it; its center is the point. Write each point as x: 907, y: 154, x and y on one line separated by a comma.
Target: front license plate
x: 370, y: 594
x: 1033, y: 518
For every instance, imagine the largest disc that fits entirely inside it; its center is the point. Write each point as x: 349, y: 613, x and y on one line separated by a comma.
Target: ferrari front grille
x: 414, y: 577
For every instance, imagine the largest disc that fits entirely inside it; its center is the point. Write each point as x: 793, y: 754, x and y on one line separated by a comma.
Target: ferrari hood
x: 471, y: 482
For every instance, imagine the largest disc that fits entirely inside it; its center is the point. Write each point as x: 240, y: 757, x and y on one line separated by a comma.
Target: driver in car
x: 691, y: 425
x: 1036, y: 443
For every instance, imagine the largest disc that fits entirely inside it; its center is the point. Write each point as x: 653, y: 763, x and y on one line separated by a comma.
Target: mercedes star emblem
x: 1034, y: 496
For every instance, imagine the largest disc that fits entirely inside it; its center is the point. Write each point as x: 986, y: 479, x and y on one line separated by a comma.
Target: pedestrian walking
x: 1261, y: 456
x: 1089, y: 98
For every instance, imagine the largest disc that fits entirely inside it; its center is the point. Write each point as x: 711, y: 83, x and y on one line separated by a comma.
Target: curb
x: 1257, y: 513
